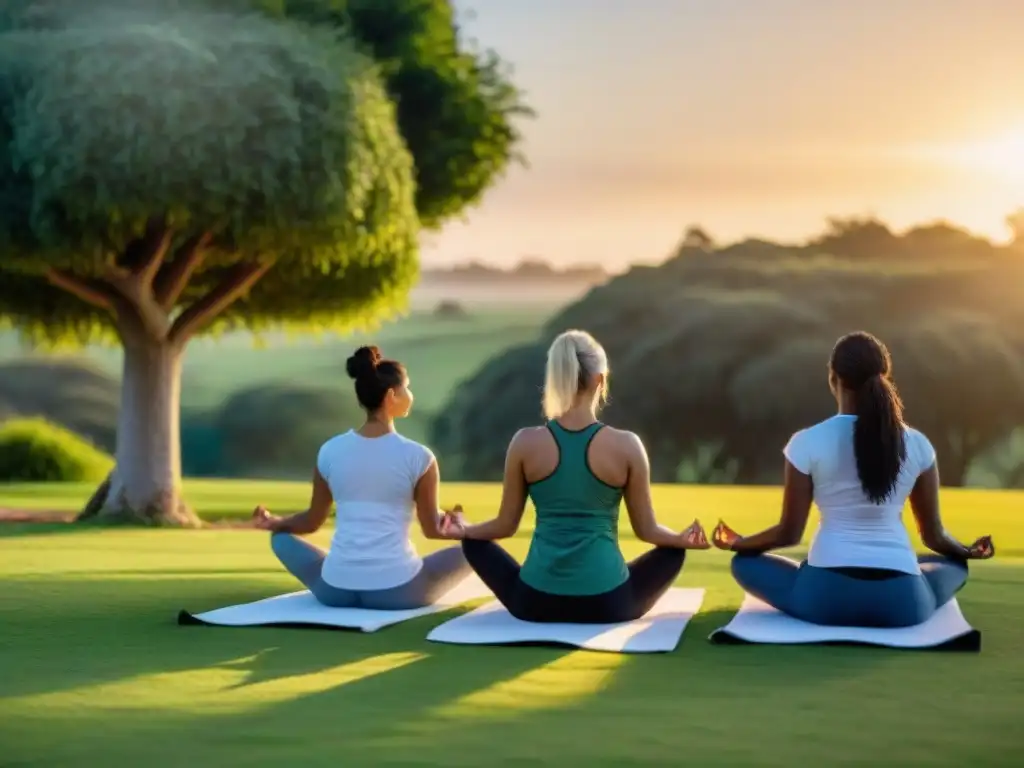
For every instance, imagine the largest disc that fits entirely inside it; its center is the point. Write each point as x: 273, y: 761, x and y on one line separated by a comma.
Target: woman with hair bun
x: 860, y: 467
x: 577, y: 472
x: 379, y: 481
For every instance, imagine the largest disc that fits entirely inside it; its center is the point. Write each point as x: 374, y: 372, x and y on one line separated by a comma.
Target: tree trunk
x: 145, y: 486
x: 141, y: 291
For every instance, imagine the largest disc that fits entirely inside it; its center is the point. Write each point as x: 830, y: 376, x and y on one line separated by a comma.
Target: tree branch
x: 155, y: 258
x: 126, y: 289
x: 89, y: 290
x: 235, y: 285
x: 171, y: 280
x: 155, y: 322
x: 144, y: 257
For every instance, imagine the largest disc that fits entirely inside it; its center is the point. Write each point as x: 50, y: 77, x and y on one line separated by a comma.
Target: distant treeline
x: 720, y: 353
x: 528, y: 270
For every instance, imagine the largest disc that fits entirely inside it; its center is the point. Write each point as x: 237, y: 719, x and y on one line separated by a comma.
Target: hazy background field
x: 303, y: 375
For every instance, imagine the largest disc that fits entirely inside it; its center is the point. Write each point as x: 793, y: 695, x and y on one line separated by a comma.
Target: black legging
x: 650, y: 576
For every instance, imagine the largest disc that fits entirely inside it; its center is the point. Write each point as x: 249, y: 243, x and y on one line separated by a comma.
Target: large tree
x: 170, y: 170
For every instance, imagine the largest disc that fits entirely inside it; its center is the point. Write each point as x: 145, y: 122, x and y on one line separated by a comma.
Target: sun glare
x: 1002, y: 155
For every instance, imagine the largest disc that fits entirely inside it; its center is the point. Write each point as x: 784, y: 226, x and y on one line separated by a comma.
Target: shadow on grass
x: 102, y: 662
x: 123, y: 628
x: 47, y: 527
x: 198, y: 571
x: 26, y: 529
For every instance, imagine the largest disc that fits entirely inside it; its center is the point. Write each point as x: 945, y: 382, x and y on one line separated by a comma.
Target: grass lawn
x: 94, y: 670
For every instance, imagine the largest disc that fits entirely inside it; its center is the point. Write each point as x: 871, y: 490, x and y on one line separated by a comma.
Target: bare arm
x: 513, y: 499
x: 797, y: 496
x: 311, y: 520
x: 425, y: 498
x: 924, y: 502
x: 639, y: 503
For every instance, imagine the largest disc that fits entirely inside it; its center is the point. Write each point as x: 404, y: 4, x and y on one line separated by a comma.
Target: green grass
x: 95, y: 671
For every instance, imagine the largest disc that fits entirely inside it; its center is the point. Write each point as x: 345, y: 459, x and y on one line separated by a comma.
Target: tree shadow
x: 105, y: 641
x: 26, y: 529
x: 102, y: 638
x: 127, y: 628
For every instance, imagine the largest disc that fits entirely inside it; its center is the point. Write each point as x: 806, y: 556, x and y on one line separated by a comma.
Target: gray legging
x: 441, y: 571
x: 848, y: 597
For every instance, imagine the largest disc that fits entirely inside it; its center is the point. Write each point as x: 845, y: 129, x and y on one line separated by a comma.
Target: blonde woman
x: 576, y: 471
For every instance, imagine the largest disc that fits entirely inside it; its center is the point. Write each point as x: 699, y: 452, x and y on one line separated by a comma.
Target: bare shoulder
x: 527, y: 438
x: 624, y: 440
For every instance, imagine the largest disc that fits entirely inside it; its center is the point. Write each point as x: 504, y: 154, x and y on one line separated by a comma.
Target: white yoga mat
x: 657, y: 632
x: 757, y: 622
x: 301, y: 609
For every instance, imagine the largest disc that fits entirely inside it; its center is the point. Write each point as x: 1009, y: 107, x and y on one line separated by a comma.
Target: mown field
x: 96, y: 672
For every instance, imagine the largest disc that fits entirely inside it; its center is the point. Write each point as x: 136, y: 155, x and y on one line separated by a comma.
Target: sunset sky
x: 750, y: 117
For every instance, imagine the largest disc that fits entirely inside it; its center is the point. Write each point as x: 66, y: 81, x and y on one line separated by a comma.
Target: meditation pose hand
x: 694, y: 537
x: 263, y: 520
x: 453, y: 524
x: 723, y: 536
x: 982, y: 549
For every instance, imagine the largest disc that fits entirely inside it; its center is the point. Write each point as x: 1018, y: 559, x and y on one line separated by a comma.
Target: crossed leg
x: 825, y: 597
x: 305, y: 561
x: 441, y: 571
x: 650, y: 576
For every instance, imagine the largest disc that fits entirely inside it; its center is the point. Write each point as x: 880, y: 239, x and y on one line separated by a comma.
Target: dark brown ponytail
x: 861, y: 364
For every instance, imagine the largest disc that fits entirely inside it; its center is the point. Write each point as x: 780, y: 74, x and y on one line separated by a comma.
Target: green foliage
x: 457, y: 107
x: 35, y: 450
x: 1001, y: 465
x: 503, y: 396
x: 282, y: 426
x: 75, y: 394
x: 721, y: 353
x: 275, y: 138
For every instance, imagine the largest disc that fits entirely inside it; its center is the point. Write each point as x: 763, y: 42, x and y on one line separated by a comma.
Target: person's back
x: 854, y: 530
x: 577, y: 471
x: 860, y: 467
x: 575, y: 548
x: 379, y: 482
x: 372, y: 480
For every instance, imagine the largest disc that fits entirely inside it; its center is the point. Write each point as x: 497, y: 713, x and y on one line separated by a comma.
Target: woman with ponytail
x: 576, y: 471
x: 379, y: 482
x: 860, y: 467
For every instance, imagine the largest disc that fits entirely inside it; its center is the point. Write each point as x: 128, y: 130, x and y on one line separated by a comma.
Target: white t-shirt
x: 854, y: 531
x: 372, y: 481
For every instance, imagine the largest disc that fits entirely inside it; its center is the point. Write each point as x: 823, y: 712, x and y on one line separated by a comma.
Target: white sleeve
x: 921, y: 450
x: 323, y: 460
x: 799, y: 452
x: 422, y: 459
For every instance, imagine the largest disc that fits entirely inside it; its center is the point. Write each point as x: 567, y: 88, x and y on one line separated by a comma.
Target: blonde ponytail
x: 573, y: 359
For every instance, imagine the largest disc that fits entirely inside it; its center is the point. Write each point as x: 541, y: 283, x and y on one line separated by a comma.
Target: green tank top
x: 575, y: 546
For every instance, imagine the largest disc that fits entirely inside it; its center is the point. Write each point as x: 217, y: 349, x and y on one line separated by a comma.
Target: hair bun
x: 363, y: 363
